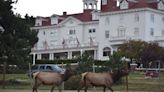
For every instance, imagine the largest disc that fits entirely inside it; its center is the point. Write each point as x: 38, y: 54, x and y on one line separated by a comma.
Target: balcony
x: 117, y: 40
x: 70, y: 47
x: 159, y: 38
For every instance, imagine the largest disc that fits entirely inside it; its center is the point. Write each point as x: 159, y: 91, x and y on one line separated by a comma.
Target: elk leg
x: 35, y: 87
x: 104, y: 88
x: 110, y: 89
x: 85, y: 89
x: 53, y: 86
x: 60, y: 88
x: 37, y: 83
x: 81, y: 86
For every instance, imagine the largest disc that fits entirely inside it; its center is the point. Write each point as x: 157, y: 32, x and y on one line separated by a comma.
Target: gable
x: 161, y: 5
x: 70, y: 21
x: 124, y: 4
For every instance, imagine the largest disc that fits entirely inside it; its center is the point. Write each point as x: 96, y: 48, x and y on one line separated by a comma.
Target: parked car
x: 152, y: 74
x: 44, y: 68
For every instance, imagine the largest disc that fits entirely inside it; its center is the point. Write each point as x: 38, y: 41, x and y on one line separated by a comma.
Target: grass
x: 15, y: 76
x: 136, y: 83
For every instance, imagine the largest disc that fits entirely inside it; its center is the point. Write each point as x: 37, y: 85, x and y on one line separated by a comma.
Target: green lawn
x: 136, y: 82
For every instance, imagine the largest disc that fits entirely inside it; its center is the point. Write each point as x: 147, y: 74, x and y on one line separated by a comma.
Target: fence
x: 16, y: 79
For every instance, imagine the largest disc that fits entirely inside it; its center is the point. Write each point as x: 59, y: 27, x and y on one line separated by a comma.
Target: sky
x: 48, y: 7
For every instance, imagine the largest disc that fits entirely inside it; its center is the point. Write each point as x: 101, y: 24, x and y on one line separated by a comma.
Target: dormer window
x: 104, y: 2
x: 71, y: 32
x: 93, y: 30
x: 124, y: 4
x: 160, y: 5
x: 38, y: 24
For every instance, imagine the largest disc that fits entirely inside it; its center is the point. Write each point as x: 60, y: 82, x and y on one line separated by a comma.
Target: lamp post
x: 33, y: 59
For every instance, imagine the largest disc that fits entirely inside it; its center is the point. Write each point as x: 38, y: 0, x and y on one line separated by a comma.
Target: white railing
x: 124, y: 38
x: 70, y: 46
x: 118, y: 38
x: 159, y: 38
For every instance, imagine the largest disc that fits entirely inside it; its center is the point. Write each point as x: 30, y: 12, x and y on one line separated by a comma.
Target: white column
x: 51, y: 56
x: 81, y: 52
x: 111, y: 51
x: 33, y: 58
x: 95, y: 54
x: 69, y: 55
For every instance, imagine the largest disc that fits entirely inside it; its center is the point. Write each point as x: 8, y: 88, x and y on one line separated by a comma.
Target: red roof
x: 46, y: 21
x: 111, y: 5
x: 84, y: 17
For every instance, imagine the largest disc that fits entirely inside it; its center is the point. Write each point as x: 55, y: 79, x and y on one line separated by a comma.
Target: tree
x: 17, y: 39
x: 150, y: 54
x: 131, y: 49
x: 115, y: 61
x: 85, y: 63
x: 142, y: 52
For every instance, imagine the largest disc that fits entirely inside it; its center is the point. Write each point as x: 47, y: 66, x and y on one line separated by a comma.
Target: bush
x: 74, y: 83
x: 68, y: 61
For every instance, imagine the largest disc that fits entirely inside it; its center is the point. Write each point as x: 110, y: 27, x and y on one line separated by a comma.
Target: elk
x: 105, y: 79
x: 51, y: 78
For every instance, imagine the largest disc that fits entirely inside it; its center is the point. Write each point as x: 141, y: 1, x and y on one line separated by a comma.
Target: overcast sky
x: 48, y: 7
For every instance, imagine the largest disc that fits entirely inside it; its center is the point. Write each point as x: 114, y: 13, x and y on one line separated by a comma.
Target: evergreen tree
x: 17, y: 39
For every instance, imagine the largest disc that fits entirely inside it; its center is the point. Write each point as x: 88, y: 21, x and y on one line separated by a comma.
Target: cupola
x: 90, y: 4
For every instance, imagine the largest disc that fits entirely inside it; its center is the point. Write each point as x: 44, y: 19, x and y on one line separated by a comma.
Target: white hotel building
x: 99, y: 32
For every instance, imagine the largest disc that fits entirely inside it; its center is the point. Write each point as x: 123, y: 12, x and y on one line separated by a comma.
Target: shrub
x: 74, y: 83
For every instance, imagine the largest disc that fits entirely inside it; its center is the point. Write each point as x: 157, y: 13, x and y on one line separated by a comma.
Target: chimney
x: 64, y: 13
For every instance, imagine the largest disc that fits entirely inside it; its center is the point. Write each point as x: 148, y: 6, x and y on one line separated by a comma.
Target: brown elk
x: 51, y: 78
x: 105, y: 79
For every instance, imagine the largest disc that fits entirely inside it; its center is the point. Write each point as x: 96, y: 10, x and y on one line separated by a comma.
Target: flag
x: 45, y: 44
x: 64, y: 43
x: 91, y: 41
x: 78, y: 43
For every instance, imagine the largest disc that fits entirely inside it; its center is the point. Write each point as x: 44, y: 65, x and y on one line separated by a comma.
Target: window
x: 163, y: 19
x: 44, y: 33
x: 41, y: 67
x: 107, y: 21
x: 72, y: 40
x: 71, y: 32
x: 92, y: 30
x: 53, y: 33
x: 106, y: 51
x: 38, y: 24
x: 136, y: 31
x: 152, y: 17
x: 121, y: 17
x: 136, y: 18
x: 49, y: 68
x: 152, y: 31
x: 107, y: 34
x: 104, y: 2
x: 162, y: 33
x: 53, y: 43
x: 124, y: 5
x: 121, y: 31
